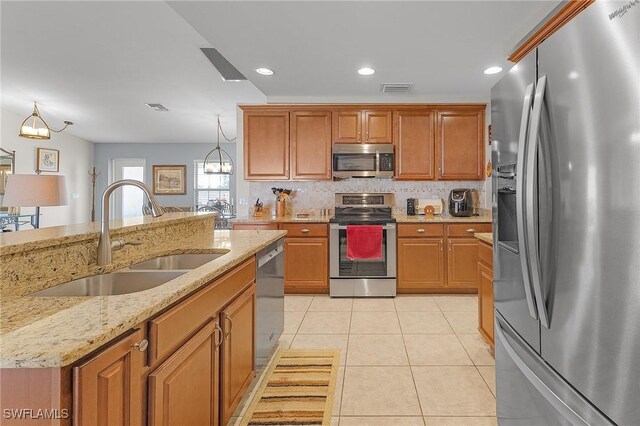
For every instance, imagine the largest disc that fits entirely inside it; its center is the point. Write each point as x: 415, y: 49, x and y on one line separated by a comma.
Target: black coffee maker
x: 460, y: 202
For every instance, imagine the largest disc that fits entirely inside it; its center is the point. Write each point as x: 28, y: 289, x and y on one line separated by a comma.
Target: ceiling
x: 315, y: 47
x: 98, y: 63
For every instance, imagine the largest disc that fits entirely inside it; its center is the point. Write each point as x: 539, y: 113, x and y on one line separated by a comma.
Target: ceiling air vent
x: 224, y: 67
x: 157, y: 107
x: 395, y: 87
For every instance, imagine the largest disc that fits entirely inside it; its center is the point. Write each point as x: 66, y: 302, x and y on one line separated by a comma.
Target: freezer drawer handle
x: 530, y: 201
x: 547, y: 393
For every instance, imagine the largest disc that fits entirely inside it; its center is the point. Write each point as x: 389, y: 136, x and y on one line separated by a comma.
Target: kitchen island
x: 130, y: 343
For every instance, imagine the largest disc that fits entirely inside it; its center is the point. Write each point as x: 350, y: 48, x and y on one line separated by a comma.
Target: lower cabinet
x: 200, y: 362
x: 238, y: 351
x: 109, y: 388
x: 436, y: 258
x: 306, y: 265
x: 184, y: 389
x: 462, y: 263
x: 485, y: 293
x: 420, y: 263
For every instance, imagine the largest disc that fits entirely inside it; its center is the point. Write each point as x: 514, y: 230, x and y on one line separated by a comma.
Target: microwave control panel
x: 386, y: 163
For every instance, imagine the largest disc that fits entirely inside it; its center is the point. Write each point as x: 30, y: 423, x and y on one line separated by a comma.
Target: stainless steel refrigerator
x: 566, y: 205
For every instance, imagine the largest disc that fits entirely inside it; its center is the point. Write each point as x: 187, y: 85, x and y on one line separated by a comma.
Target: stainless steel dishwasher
x: 269, y: 300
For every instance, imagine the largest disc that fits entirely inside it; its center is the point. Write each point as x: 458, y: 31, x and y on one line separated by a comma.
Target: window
x: 209, y: 188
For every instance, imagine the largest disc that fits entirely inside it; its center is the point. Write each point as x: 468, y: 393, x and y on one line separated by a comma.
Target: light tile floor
x: 412, y: 360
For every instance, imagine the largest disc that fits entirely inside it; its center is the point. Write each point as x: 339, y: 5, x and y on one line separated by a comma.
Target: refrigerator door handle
x: 530, y: 201
x: 520, y: 207
x: 540, y: 386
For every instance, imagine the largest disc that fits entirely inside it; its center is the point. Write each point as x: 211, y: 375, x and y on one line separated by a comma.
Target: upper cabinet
x: 347, y: 126
x: 432, y: 142
x: 358, y: 126
x: 415, y: 132
x: 266, y: 145
x: 310, y: 139
x: 460, y: 144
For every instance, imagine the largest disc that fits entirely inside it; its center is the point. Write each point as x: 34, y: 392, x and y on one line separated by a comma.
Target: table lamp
x: 35, y: 191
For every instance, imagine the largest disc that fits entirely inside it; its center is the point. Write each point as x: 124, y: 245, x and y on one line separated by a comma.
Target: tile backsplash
x: 310, y: 197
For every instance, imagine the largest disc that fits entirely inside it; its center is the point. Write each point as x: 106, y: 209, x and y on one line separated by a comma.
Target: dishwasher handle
x: 267, y: 257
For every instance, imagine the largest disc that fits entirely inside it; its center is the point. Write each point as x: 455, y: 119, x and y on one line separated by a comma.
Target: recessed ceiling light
x: 492, y: 70
x: 366, y: 71
x: 264, y: 71
x: 573, y: 75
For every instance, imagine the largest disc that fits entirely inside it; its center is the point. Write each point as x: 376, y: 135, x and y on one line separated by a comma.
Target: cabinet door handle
x: 441, y: 248
x: 449, y: 245
x: 142, y: 346
x: 421, y: 230
x: 220, y: 338
x: 471, y: 230
x: 227, y: 317
x: 304, y: 230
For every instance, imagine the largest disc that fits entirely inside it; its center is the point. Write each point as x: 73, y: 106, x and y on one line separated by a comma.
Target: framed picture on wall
x: 48, y: 160
x: 169, y: 180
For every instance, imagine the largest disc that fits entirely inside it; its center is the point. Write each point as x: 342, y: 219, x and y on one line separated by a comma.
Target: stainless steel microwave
x: 363, y: 160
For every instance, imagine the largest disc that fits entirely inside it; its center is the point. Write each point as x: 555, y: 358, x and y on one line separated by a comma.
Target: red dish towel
x: 364, y: 242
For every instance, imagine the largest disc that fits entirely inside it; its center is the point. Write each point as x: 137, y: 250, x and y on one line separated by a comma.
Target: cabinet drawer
x: 467, y: 229
x: 254, y: 226
x: 172, y: 328
x: 304, y: 229
x: 485, y: 254
x: 420, y: 230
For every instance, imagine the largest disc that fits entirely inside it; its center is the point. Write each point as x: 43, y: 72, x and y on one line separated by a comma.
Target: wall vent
x: 224, y: 67
x: 395, y: 87
x: 157, y: 107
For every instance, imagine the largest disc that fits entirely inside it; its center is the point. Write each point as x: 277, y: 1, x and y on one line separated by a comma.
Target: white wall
x: 76, y: 159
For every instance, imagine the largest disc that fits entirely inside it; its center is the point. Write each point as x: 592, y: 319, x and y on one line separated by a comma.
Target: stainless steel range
x: 362, y: 277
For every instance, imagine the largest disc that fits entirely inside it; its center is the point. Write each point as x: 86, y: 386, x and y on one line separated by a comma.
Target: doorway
x: 128, y: 200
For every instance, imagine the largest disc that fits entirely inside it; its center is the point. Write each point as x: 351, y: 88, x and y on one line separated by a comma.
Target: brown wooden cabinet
x: 293, y: 142
x: 185, y: 388
x: 306, y: 265
x: 438, y: 258
x: 415, y: 144
x: 485, y: 292
x: 420, y: 263
x: 377, y: 126
x: 238, y: 351
x: 362, y: 126
x: 460, y: 144
x: 306, y: 258
x: 310, y: 141
x: 347, y: 126
x: 266, y: 145
x: 462, y: 263
x: 108, y: 388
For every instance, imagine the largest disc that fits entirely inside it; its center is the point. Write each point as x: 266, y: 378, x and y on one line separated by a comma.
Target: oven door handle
x: 334, y: 226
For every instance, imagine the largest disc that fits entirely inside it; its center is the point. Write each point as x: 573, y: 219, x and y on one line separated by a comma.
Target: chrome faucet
x: 105, y: 247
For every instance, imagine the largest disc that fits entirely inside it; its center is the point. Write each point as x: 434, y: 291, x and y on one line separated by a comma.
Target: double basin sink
x: 138, y: 277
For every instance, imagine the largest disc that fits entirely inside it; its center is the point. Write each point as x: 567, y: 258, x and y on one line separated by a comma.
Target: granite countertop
x: 486, y: 237
x: 57, y: 331
x: 284, y: 219
x: 30, y: 239
x: 403, y: 218
x: 400, y: 218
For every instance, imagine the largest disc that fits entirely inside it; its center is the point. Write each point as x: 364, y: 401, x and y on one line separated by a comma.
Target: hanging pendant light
x: 218, y: 161
x: 34, y: 126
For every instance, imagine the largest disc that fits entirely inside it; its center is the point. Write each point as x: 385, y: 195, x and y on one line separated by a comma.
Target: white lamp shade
x: 35, y: 191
